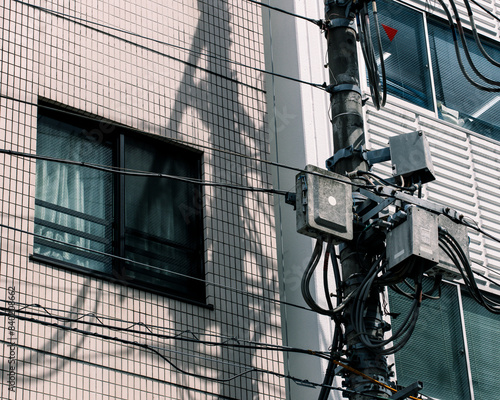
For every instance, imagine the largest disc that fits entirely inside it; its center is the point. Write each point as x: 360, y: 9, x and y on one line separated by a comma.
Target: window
x: 457, y: 100
x: 409, y: 78
x: 152, y: 224
x: 405, y: 54
x: 437, y: 353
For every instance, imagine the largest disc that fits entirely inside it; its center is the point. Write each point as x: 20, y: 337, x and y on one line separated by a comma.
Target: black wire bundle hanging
x: 338, y: 336
x: 457, y: 26
x: 378, y: 92
x: 453, y: 250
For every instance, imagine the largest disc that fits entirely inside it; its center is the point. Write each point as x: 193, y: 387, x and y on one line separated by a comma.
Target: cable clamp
x: 341, y: 23
x: 342, y: 154
x: 343, y: 88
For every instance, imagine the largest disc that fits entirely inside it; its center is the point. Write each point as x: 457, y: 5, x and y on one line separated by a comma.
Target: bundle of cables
x: 338, y: 336
x: 379, y: 94
x: 453, y: 250
x: 495, y: 84
x: 372, y: 336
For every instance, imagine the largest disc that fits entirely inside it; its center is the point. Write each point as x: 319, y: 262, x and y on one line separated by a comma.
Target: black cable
x: 381, y: 53
x: 173, y: 365
x: 486, y: 10
x: 129, y: 172
x: 402, y: 334
x: 230, y: 342
x: 411, y: 189
x: 466, y: 48
x: 314, y: 21
x: 338, y: 337
x: 457, y: 52
x: 306, y: 279
x: 199, y: 145
x: 100, y: 365
x: 476, y: 35
x: 453, y: 249
x: 201, y: 280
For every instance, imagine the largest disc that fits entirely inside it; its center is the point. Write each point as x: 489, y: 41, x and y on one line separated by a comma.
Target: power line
x: 175, y: 367
x: 314, y: 21
x: 72, y: 359
x: 130, y: 172
x: 165, y: 271
x: 227, y: 341
x: 84, y: 21
x: 187, y: 143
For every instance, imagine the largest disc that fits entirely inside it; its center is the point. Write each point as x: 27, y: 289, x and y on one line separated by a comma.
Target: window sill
x: 94, y: 274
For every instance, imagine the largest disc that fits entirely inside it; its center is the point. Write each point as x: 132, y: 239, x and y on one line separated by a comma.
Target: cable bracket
x: 345, y: 87
x: 341, y: 23
x: 342, y: 154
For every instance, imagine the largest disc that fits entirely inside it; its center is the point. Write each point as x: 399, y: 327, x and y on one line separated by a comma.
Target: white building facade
x: 455, y: 344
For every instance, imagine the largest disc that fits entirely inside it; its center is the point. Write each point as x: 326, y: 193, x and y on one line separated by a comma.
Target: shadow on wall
x: 251, y: 268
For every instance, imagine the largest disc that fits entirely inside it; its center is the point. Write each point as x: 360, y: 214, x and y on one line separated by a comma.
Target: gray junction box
x: 324, y: 205
x: 415, y: 240
x: 411, y: 157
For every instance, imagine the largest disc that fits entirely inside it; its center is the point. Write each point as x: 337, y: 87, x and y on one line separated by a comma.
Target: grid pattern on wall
x: 177, y: 70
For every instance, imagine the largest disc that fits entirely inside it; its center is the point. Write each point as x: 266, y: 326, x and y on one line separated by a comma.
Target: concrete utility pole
x: 347, y: 121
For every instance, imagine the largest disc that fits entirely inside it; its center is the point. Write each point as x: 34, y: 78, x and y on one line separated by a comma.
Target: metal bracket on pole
x: 377, y: 156
x: 343, y: 88
x: 341, y: 22
x: 411, y: 390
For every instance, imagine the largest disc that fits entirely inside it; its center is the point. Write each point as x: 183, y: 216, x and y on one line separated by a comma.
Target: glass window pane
x: 162, y: 216
x: 405, y: 54
x: 458, y: 101
x: 73, y: 203
x: 483, y: 342
x: 435, y: 353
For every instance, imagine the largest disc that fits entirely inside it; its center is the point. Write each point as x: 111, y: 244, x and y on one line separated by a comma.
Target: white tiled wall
x: 176, y: 69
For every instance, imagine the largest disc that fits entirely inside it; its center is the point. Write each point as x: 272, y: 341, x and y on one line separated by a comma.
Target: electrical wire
x: 84, y: 22
x: 198, y: 145
x: 306, y: 279
x: 465, y: 46
x: 164, y: 271
x: 314, y: 21
x: 373, y: 341
x: 173, y: 365
x: 379, y: 95
x: 225, y: 341
x: 453, y: 250
x: 476, y: 35
x: 100, y: 366
x: 457, y: 51
x: 130, y: 172
x: 486, y: 10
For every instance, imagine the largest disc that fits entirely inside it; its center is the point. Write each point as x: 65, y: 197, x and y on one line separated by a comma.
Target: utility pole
x: 347, y: 121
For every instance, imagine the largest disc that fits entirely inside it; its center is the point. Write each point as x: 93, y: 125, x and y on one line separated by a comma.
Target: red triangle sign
x: 391, y: 32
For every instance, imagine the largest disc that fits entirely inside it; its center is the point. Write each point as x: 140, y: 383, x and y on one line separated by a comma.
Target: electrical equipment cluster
x: 398, y: 238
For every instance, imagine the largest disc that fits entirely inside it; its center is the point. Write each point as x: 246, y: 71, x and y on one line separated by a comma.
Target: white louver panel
x: 467, y: 169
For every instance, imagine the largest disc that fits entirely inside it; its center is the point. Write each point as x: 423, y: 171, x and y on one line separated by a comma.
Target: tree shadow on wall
x: 215, y: 100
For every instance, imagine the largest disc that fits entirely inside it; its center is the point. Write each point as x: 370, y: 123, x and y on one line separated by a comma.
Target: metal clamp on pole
x: 408, y: 391
x: 342, y: 88
x: 342, y: 154
x: 341, y: 22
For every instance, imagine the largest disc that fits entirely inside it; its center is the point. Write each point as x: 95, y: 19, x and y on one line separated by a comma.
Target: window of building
x: 407, y: 64
x: 457, y: 100
x: 82, y: 215
x: 405, y: 53
x: 452, y: 348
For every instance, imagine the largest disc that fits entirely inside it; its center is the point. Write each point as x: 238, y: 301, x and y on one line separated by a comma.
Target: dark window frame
x: 193, y: 290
